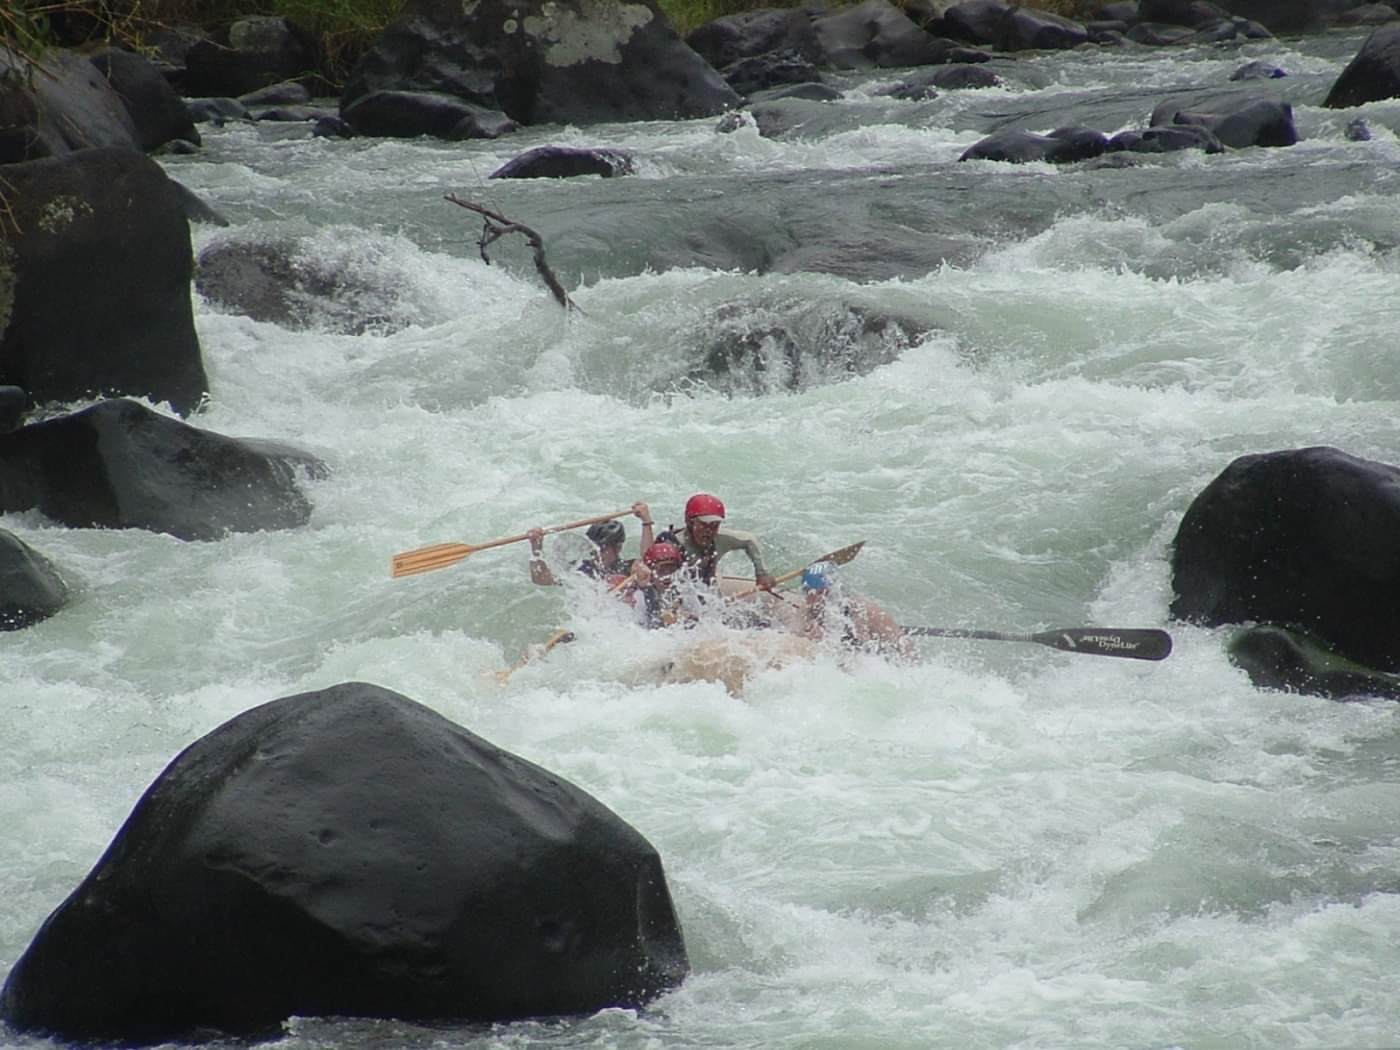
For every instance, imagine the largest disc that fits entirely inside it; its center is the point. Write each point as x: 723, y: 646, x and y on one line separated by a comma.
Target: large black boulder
x: 544, y: 61
x: 1026, y: 29
x: 248, y: 54
x: 1307, y: 538
x: 1193, y: 13
x: 976, y: 21
x: 159, y: 114
x: 1373, y: 74
x: 58, y: 104
x: 748, y: 34
x: 350, y: 852
x: 1289, y: 16
x: 119, y: 465
x: 408, y: 114
x: 95, y: 267
x: 31, y: 589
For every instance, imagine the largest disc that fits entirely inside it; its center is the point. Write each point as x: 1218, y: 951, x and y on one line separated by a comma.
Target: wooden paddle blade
x: 845, y: 554
x: 426, y: 559
x: 1131, y: 642
x: 839, y: 557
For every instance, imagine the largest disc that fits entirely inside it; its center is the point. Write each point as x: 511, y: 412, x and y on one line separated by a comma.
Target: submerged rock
x: 31, y: 589
x: 1251, y: 122
x: 760, y: 348
x: 1258, y: 70
x: 564, y: 162
x: 350, y: 852
x: 1278, y: 657
x: 1167, y: 139
x: 1061, y: 146
x: 305, y: 283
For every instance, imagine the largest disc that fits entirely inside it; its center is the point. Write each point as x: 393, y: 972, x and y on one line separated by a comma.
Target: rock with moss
x: 95, y: 268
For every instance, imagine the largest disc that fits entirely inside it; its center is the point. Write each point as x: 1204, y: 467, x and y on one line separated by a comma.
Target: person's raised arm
x: 643, y: 513
x: 539, y: 571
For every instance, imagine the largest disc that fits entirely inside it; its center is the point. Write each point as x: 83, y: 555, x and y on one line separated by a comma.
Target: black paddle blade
x: 1135, y: 643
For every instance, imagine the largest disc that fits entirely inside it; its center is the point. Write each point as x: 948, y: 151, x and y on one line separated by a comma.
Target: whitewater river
x: 999, y: 846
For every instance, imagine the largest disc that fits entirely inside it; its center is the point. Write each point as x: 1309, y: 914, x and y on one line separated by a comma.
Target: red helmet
x: 661, y: 552
x: 705, y: 507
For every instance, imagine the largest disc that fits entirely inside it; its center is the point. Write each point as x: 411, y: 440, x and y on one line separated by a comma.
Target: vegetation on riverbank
x: 343, y: 28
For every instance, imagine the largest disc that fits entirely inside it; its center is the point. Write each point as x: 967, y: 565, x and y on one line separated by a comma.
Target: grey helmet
x: 607, y: 533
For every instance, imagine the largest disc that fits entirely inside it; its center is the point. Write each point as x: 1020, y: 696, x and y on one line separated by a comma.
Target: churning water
x: 997, y: 846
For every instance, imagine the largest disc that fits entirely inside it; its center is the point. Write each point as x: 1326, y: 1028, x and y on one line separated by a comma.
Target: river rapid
x: 997, y: 846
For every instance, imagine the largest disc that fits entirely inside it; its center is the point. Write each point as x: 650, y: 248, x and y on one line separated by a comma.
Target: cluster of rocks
x: 311, y: 880
x: 95, y: 275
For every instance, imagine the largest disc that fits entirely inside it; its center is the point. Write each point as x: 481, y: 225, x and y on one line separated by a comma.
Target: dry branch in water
x: 495, y: 225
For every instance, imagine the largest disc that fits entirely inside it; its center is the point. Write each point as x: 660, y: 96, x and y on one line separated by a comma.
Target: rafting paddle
x: 840, y: 557
x: 1135, y: 643
x: 441, y: 555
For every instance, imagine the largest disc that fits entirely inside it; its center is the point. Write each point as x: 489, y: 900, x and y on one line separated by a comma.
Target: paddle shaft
x: 553, y: 528
x: 441, y: 555
x: 1134, y: 643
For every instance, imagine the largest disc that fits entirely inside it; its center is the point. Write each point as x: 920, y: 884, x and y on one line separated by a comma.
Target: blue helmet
x: 818, y: 576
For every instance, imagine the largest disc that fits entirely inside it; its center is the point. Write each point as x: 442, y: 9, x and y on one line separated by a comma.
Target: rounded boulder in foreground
x: 350, y: 852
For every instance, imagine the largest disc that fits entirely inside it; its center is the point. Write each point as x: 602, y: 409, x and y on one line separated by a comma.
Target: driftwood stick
x: 495, y: 225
